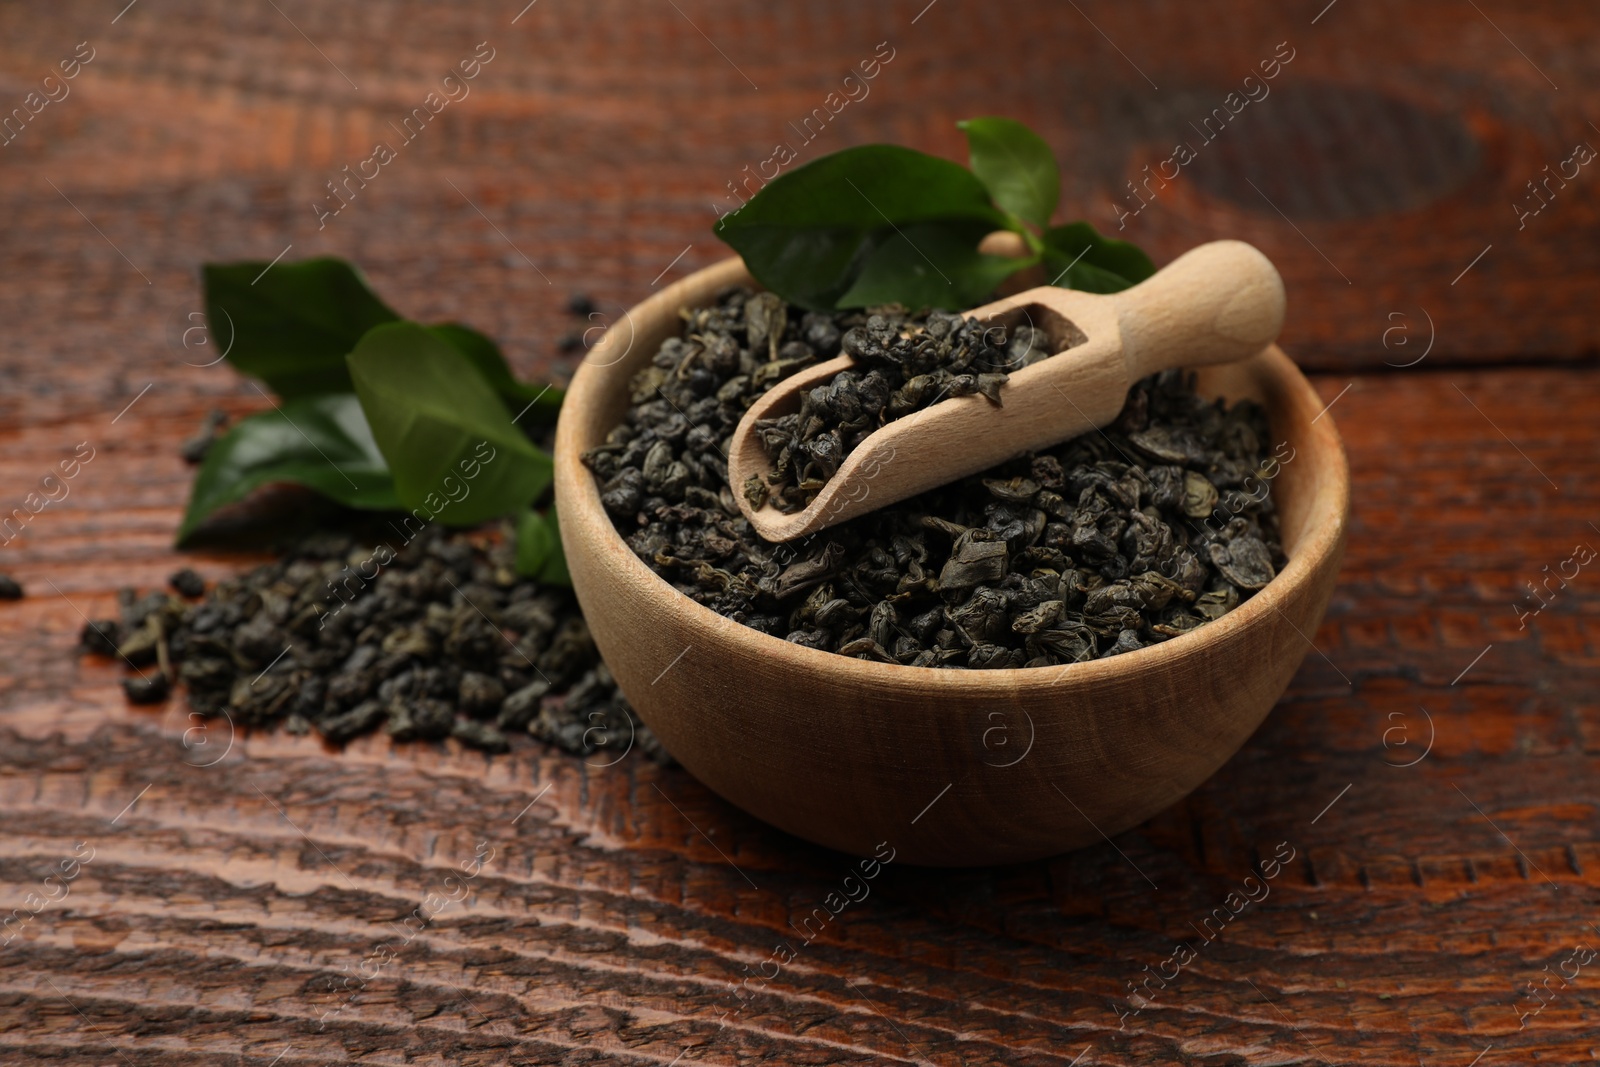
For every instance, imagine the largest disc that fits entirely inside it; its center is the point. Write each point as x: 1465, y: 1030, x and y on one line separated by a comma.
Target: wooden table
x: 1432, y: 767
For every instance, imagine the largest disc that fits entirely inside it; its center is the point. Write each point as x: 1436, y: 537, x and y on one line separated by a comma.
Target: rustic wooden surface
x: 234, y: 913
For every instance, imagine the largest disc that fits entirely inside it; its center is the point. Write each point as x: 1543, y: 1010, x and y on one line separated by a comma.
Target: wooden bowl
x: 949, y: 767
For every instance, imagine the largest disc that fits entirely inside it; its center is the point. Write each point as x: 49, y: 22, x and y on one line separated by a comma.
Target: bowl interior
x: 1298, y: 490
x: 847, y: 752
x: 1293, y: 493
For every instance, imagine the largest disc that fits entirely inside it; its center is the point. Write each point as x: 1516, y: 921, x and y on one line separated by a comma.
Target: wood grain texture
x: 615, y: 917
x: 611, y: 926
x: 853, y: 754
x: 602, y: 139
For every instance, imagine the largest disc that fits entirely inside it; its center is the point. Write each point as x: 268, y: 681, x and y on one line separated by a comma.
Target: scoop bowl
x: 949, y: 767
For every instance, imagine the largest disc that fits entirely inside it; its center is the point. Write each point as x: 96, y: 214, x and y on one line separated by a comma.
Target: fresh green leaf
x: 1076, y: 257
x: 291, y: 324
x: 456, y: 455
x: 321, y: 442
x: 931, y: 265
x: 1086, y: 276
x: 539, y: 552
x: 537, y: 405
x: 810, y: 233
x: 1016, y: 165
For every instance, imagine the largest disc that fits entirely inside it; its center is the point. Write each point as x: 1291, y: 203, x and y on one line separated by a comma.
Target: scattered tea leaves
x: 427, y: 638
x: 195, y: 448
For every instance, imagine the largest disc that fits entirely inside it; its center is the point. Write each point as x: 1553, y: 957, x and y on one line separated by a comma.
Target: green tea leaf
x: 321, y: 442
x: 456, y: 455
x: 811, y: 232
x: 537, y: 405
x: 1016, y: 165
x: 1076, y: 257
x: 539, y: 552
x: 931, y: 265
x: 291, y: 324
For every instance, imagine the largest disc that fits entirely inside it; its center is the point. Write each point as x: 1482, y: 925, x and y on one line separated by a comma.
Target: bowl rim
x: 1327, y: 517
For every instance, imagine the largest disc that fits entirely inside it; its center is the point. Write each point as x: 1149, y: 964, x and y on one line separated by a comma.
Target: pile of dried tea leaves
x: 1112, y: 541
x: 906, y: 366
x: 437, y: 639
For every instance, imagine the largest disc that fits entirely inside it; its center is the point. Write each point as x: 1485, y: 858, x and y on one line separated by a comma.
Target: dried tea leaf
x: 1086, y: 550
x: 1244, y: 561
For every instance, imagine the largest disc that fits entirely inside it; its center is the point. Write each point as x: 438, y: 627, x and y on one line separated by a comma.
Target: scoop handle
x: 1217, y: 303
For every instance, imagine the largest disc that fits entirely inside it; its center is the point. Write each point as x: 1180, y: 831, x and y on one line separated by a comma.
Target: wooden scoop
x: 1217, y: 303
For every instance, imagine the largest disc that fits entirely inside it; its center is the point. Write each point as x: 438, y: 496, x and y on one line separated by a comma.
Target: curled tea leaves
x: 1111, y: 542
x: 902, y: 366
